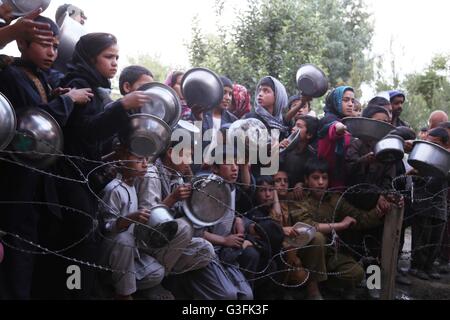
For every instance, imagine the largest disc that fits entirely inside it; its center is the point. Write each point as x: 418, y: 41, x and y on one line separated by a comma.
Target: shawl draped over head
x: 333, y: 113
x: 275, y: 120
x: 240, y: 105
x: 83, y: 60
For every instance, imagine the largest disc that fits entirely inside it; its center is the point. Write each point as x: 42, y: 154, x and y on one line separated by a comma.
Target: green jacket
x: 312, y: 212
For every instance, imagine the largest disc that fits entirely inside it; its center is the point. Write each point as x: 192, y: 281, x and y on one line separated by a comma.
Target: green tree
x: 153, y: 63
x: 274, y: 37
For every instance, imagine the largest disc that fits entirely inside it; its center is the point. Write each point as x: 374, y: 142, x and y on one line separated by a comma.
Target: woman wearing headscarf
x: 240, y: 105
x: 174, y: 81
x: 94, y: 63
x: 270, y: 101
x: 333, y: 137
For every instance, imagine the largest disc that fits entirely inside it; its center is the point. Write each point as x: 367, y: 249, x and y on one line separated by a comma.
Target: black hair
x: 445, y: 125
x: 316, y: 165
x: 440, y: 133
x: 312, y: 125
x: 261, y: 180
x: 267, y: 81
x: 132, y: 74
x: 378, y: 102
x: 226, y: 82
x: 370, y: 111
x: 175, y: 75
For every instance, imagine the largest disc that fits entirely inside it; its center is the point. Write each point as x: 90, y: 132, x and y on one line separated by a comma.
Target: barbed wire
x: 415, y: 193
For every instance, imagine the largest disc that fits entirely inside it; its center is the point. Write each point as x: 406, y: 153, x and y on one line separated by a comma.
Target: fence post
x: 389, y: 254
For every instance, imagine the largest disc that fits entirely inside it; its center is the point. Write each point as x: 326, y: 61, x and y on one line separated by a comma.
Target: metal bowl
x: 38, y: 134
x: 429, y: 159
x: 164, y: 103
x: 367, y: 129
x: 390, y: 149
x: 311, y: 81
x: 70, y: 33
x: 24, y: 7
x: 8, y: 122
x: 306, y: 234
x: 163, y: 229
x: 147, y: 135
x: 210, y: 200
x: 251, y: 132
x: 202, y: 88
x: 293, y: 141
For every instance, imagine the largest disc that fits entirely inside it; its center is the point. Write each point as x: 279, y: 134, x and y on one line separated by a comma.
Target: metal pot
x: 160, y: 230
x: 210, y: 200
x: 311, y: 81
x: 367, y: 129
x: 8, y: 122
x: 202, y: 88
x: 164, y: 103
x: 147, y: 135
x: 390, y: 149
x: 24, y: 7
x: 70, y: 33
x: 430, y: 159
x: 38, y: 134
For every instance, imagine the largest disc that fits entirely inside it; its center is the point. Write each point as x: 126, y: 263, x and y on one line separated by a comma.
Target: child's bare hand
x: 135, y: 100
x: 182, y: 192
x: 290, y: 232
x: 348, y: 222
x: 234, y: 241
x: 340, y: 128
x: 298, y: 192
x: 32, y: 31
x: 284, y: 144
x: 80, y: 96
x: 6, y: 12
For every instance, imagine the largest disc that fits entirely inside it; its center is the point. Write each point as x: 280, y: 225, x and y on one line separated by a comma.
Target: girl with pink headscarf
x: 174, y: 81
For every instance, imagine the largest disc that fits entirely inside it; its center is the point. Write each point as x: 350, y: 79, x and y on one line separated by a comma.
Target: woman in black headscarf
x: 94, y: 63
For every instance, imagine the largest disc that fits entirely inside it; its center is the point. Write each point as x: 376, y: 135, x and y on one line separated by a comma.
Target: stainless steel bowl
x: 8, y: 122
x: 367, y: 129
x: 294, y: 138
x: 70, y: 33
x: 147, y: 135
x: 202, y: 88
x: 164, y: 103
x: 429, y: 159
x: 311, y: 81
x: 38, y: 135
x: 306, y: 234
x: 210, y: 200
x: 24, y: 7
x: 161, y: 228
x: 390, y: 149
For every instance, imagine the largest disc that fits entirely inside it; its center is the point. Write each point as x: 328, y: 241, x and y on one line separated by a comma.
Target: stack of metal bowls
x: 8, y: 122
x: 202, y: 89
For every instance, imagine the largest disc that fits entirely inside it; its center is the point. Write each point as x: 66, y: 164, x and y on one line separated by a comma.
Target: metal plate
x: 294, y: 139
x: 210, y: 200
x: 367, y: 129
x: 24, y: 7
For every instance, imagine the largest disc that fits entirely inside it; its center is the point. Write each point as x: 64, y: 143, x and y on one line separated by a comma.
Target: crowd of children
x: 248, y: 254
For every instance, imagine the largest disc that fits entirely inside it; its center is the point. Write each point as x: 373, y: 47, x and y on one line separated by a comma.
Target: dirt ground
x: 421, y: 290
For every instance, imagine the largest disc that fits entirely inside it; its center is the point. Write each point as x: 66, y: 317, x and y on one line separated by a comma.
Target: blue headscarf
x: 333, y: 109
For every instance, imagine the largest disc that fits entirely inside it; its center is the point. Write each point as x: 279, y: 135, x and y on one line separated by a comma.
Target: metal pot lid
x: 210, y: 200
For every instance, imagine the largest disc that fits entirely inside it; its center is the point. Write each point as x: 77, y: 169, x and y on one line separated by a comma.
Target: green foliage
x: 153, y: 63
x: 274, y: 37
